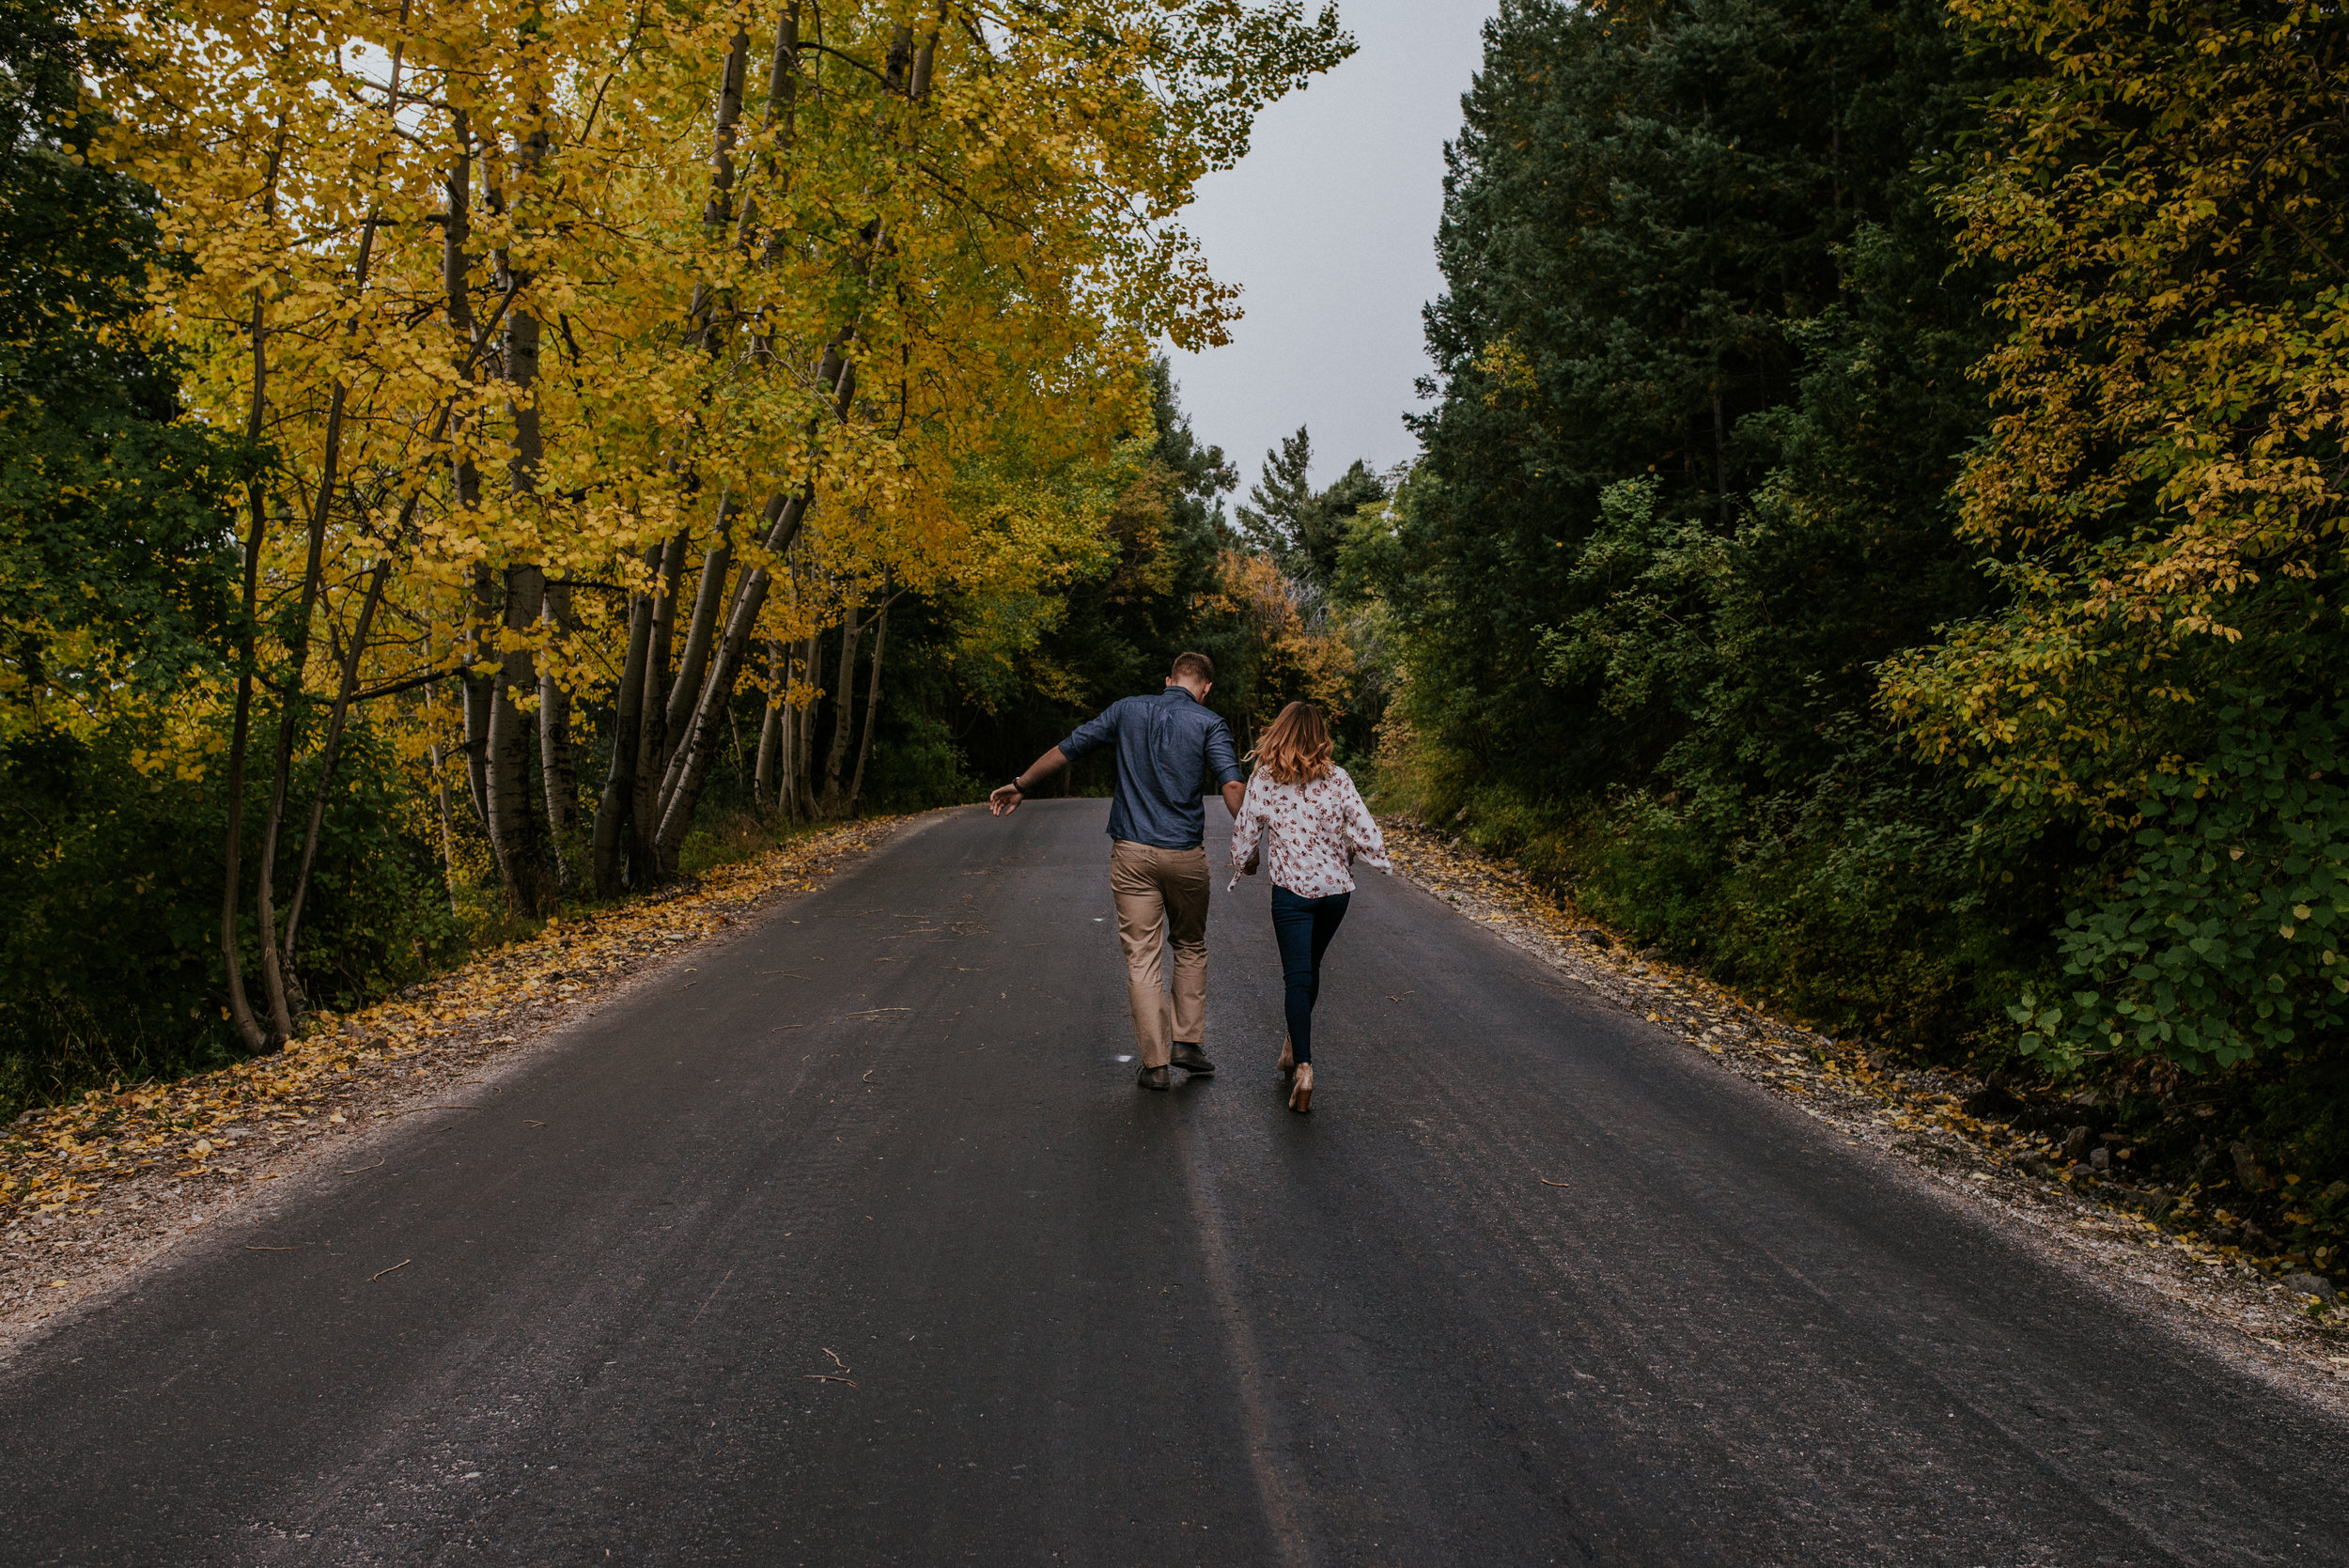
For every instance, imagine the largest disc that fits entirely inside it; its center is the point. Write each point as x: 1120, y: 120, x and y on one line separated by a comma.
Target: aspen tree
x: 430, y: 243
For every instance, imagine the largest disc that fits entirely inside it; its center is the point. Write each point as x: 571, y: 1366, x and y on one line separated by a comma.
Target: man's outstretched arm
x: 1234, y: 794
x: 1006, y: 797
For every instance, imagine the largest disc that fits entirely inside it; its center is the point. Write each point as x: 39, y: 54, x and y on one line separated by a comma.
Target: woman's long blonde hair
x: 1296, y: 748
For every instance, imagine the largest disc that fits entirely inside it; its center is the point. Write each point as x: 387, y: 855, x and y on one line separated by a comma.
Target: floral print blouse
x: 1309, y: 833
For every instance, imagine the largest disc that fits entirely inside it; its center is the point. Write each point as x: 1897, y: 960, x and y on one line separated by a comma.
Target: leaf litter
x: 2098, y: 1232
x: 120, y: 1173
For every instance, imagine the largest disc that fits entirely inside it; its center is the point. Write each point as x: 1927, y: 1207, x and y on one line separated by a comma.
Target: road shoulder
x: 95, y: 1192
x: 1916, y: 1120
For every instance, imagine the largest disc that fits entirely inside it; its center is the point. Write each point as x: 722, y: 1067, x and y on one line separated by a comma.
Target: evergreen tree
x: 1277, y: 501
x: 1298, y: 527
x: 1197, y: 476
x: 1323, y: 528
x: 1662, y: 220
x: 1703, y: 360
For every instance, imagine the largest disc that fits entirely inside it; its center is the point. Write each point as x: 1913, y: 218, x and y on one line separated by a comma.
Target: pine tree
x: 1695, y: 307
x: 1703, y: 372
x: 1301, y: 528
x: 1322, y: 529
x: 1280, y: 500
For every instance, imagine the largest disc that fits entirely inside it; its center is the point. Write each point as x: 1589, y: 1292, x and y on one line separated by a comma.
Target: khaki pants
x: 1162, y: 893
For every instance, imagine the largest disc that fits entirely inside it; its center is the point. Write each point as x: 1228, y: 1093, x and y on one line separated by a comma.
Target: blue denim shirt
x: 1167, y: 746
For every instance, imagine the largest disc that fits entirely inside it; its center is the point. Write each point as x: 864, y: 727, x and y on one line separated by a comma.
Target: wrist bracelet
x: 1018, y: 787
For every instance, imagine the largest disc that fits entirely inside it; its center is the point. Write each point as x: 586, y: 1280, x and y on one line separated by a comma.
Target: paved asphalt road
x: 939, y: 1285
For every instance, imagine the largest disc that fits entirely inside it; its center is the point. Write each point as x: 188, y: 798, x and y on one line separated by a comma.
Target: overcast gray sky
x: 1329, y: 226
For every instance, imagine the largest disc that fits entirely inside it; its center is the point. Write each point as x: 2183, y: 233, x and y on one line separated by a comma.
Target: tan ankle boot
x: 1302, y: 1089
x: 1288, y: 1057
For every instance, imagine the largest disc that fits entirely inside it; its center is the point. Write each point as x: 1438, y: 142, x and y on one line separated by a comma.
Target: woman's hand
x: 1255, y: 857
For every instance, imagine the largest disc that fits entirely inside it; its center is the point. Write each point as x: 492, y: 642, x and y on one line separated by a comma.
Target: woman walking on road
x: 1302, y: 814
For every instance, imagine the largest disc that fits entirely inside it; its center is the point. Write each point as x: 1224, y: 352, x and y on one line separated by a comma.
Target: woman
x: 1302, y: 812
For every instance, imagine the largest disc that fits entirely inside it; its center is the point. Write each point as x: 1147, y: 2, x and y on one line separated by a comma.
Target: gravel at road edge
x: 93, y: 1190
x: 1914, y: 1116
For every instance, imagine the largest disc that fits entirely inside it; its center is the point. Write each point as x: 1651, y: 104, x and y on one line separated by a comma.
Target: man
x: 1167, y: 745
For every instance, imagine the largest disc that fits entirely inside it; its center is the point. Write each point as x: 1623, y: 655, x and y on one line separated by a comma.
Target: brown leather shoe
x: 1191, y: 1059
x: 1155, y: 1078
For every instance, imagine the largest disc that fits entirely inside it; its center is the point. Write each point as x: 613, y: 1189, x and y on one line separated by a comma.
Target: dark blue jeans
x: 1303, y: 928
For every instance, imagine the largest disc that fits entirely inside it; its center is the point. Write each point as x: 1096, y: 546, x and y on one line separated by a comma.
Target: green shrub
x: 1854, y: 905
x: 111, y: 880
x: 916, y: 766
x: 2222, y: 939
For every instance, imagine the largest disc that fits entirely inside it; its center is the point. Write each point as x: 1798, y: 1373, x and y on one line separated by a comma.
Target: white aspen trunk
x: 274, y: 972
x: 477, y: 690
x: 513, y: 829
x: 288, y: 724
x: 448, y: 831
x: 439, y: 788
x: 619, y: 780
x: 327, y: 761
x: 844, y: 717
x: 558, y: 772
x: 803, y: 773
x: 872, y: 707
x: 285, y: 1000
x: 232, y: 857
x: 783, y: 84
x: 787, y: 787
x: 770, y: 725
x: 700, y: 636
x: 652, y: 748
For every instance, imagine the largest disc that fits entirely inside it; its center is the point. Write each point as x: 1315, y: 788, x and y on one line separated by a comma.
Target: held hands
x: 1255, y: 857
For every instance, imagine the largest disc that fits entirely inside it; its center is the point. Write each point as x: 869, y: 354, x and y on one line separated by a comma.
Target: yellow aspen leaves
x: 859, y: 292
x: 2161, y: 202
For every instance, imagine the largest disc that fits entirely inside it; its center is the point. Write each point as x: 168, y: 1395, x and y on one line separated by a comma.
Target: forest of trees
x: 1875, y: 534
x: 459, y: 460
x: 1879, y: 533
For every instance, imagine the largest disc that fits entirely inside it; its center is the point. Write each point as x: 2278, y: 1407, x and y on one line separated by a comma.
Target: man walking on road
x: 1167, y: 745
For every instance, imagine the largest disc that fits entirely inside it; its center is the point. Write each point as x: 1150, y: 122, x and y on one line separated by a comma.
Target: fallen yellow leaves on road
x: 157, y: 1150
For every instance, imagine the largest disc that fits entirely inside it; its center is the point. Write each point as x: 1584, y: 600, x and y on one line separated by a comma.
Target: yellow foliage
x: 511, y: 287
x: 1299, y: 654
x: 2162, y: 198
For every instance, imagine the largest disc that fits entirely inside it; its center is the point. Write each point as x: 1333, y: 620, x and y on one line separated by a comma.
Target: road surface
x: 925, y: 1280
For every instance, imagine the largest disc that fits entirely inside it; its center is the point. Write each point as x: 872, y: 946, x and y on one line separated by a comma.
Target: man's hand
x: 1005, y: 798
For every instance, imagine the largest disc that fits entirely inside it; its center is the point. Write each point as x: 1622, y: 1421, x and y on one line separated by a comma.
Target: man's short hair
x: 1194, y: 666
